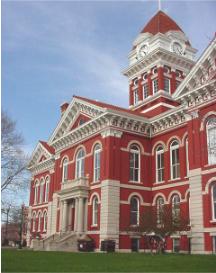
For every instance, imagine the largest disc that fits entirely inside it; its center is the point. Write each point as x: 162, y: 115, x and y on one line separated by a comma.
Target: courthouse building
x: 104, y: 165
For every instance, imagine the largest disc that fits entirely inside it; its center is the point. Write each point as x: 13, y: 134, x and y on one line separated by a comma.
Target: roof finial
x: 159, y: 4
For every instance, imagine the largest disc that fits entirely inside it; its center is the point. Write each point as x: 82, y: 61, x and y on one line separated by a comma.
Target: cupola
x: 160, y: 58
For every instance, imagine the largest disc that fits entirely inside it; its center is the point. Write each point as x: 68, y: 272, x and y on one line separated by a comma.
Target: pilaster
x: 196, y: 211
x: 110, y: 213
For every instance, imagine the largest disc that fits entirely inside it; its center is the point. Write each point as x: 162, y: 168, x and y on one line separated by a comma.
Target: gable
x: 77, y: 108
x: 79, y: 120
x: 41, y: 153
x: 203, y: 72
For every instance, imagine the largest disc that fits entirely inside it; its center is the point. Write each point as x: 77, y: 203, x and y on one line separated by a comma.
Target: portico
x: 74, y: 204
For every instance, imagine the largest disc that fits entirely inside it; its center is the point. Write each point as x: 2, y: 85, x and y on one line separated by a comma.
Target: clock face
x: 177, y: 48
x: 143, y: 51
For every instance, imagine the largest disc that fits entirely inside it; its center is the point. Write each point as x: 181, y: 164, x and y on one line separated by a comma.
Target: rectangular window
x: 134, y: 167
x: 167, y: 85
x: 160, y: 167
x: 41, y: 193
x: 145, y: 90
x: 176, y: 245
x: 136, y: 97
x: 175, y: 164
x: 155, y: 86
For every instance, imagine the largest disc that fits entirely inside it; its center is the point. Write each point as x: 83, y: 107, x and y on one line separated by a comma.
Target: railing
x: 81, y: 182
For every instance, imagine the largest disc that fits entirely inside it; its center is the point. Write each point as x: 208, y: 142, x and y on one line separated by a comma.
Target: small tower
x: 160, y: 59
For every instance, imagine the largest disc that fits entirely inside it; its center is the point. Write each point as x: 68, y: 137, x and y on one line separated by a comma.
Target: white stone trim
x: 157, y: 105
x: 207, y: 186
x: 159, y: 194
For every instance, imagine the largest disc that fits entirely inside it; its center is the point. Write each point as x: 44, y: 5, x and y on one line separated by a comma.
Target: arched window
x: 95, y: 211
x: 36, y: 192
x: 45, y: 221
x: 187, y: 157
x: 39, y: 221
x: 80, y: 163
x: 97, y: 162
x: 211, y: 140
x: 214, y: 202
x: 160, y: 164
x: 174, y: 160
x: 175, y: 207
x: 41, y: 190
x: 134, y: 211
x: 65, y: 170
x: 33, y: 222
x: 134, y: 163
x: 47, y: 183
x: 160, y: 209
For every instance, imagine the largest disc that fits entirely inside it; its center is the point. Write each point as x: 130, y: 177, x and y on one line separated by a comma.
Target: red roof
x: 162, y: 23
x: 108, y: 106
x: 47, y: 147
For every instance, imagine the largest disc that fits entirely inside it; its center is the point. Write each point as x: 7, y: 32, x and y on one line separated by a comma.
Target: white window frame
x: 175, y: 209
x: 95, y: 211
x: 80, y: 163
x: 134, y: 152
x: 169, y: 84
x: 45, y: 221
x: 36, y: 192
x: 41, y: 199
x: 97, y: 162
x: 213, y: 202
x: 33, y: 222
x: 159, y: 153
x: 47, y: 187
x: 187, y: 157
x: 39, y: 221
x: 137, y: 211
x: 145, y: 90
x: 154, y: 86
x: 65, y: 170
x: 176, y: 165
x: 211, y: 127
x: 159, y: 208
x: 136, y: 96
x: 214, y: 244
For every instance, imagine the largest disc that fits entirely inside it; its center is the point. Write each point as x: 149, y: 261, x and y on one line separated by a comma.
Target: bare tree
x: 13, y: 159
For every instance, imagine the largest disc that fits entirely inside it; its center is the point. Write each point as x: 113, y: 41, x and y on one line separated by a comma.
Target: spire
x: 159, y: 5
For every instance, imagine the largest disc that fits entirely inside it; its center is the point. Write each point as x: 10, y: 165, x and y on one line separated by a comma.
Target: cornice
x: 42, y: 166
x: 154, y: 56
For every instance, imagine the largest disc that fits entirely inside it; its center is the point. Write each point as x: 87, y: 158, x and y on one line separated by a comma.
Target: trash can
x: 108, y: 245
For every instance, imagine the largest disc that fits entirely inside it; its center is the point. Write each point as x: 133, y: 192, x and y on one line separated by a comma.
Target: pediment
x: 203, y: 72
x: 78, y: 109
x: 41, y: 153
x: 79, y: 120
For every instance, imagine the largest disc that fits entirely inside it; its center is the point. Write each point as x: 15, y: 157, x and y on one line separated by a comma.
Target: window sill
x: 94, y: 226
x: 213, y: 221
x: 174, y: 179
x: 95, y: 182
x: 134, y: 182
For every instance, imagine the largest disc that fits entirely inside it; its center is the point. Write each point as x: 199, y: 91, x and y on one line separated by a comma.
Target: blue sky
x: 52, y: 50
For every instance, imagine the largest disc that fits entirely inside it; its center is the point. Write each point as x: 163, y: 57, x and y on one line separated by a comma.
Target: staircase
x: 57, y: 242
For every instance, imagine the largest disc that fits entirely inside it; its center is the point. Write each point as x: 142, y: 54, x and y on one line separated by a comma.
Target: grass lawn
x: 30, y: 261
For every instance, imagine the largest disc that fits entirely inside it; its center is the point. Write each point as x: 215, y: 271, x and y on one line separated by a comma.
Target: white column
x: 64, y: 216
x: 85, y: 214
x: 76, y: 215
x: 80, y: 217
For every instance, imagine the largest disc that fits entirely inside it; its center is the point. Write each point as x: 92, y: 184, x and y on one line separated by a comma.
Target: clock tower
x: 160, y: 59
